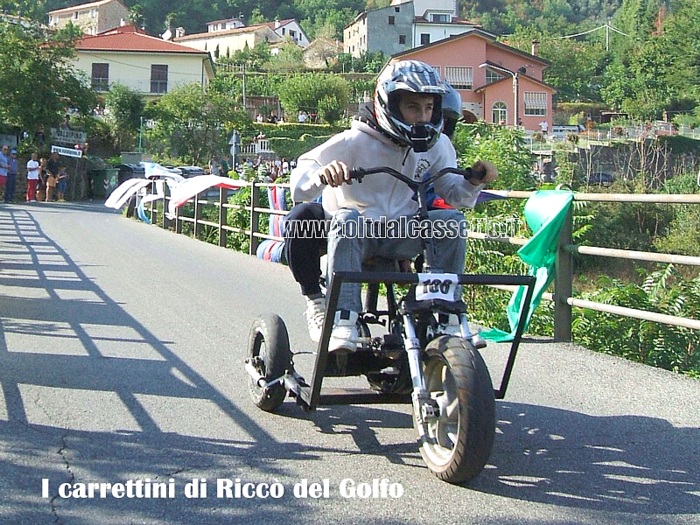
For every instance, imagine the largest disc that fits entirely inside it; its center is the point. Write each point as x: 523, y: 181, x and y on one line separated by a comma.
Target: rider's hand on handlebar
x: 334, y: 174
x: 484, y: 172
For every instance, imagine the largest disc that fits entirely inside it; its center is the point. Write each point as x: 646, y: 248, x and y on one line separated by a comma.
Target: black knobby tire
x: 269, y: 341
x: 460, y: 441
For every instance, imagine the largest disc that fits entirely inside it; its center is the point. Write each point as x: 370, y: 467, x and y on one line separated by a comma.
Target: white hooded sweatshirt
x: 379, y: 196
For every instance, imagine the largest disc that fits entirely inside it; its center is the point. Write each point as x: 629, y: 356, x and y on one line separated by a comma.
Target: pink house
x: 498, y: 83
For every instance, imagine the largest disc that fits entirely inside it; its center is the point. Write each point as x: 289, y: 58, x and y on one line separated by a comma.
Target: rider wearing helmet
x: 303, y: 252
x: 401, y: 129
x: 451, y: 110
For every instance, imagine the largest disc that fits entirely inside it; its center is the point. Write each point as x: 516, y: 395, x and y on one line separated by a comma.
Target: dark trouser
x: 10, y: 185
x: 304, y: 243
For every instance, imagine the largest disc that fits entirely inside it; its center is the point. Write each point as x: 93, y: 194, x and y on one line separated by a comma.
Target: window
x: 392, y: 20
x: 492, y: 76
x: 402, y: 39
x: 100, y: 76
x: 424, y: 39
x: 159, y: 79
x: 442, y: 18
x: 436, y: 68
x: 460, y: 77
x: 535, y: 103
x: 499, y: 113
x: 397, y: 9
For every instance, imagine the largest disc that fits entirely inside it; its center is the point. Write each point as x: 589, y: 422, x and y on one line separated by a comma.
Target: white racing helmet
x: 415, y: 77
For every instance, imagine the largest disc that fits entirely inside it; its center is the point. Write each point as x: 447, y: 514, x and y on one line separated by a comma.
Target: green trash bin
x: 111, y: 180
x: 97, y: 183
x: 103, y: 181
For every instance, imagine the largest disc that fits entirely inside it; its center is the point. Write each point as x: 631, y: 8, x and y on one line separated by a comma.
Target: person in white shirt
x: 33, y: 169
x: 402, y: 130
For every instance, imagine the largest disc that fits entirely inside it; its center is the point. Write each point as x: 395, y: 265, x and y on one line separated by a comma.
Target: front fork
x: 425, y: 408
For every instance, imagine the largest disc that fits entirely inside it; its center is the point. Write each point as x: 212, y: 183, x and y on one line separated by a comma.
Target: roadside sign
x: 67, y: 152
x: 68, y: 136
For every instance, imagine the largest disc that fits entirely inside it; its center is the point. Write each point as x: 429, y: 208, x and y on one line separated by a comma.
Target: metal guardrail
x: 563, y: 283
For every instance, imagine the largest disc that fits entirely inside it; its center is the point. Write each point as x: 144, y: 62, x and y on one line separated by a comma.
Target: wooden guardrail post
x: 197, y: 217
x: 254, y: 218
x: 165, y: 221
x: 223, y: 192
x: 563, y: 281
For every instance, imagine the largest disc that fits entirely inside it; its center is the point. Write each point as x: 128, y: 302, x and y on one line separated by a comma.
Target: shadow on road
x: 632, y: 464
x: 545, y: 455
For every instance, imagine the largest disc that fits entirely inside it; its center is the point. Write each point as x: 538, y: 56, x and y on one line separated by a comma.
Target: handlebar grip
x: 477, y: 172
x: 357, y: 173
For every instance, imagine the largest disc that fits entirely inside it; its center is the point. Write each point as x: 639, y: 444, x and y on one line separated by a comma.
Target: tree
x: 326, y: 94
x: 32, y: 9
x: 192, y: 124
x: 125, y: 113
x: 575, y: 66
x: 659, y: 69
x: 38, y: 83
x: 289, y: 58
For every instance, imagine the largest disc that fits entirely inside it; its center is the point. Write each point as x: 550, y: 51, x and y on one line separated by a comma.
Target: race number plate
x: 436, y: 286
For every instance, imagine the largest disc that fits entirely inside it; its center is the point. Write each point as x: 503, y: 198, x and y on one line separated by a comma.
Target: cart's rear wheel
x: 268, y: 350
x: 459, y: 441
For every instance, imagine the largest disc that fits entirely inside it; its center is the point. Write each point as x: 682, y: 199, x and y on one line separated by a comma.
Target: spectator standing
x: 214, y: 167
x: 224, y: 167
x: 544, y: 127
x: 41, y: 185
x: 302, y: 117
x: 33, y: 178
x: 62, y: 183
x: 4, y: 164
x: 11, y: 182
x: 52, y: 168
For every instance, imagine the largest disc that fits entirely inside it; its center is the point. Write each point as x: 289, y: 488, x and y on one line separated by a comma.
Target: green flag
x: 545, y: 212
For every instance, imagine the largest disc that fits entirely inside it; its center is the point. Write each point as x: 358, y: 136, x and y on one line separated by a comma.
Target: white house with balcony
x: 92, y: 18
x: 223, y: 25
x: 403, y: 25
x: 148, y: 65
x: 224, y: 37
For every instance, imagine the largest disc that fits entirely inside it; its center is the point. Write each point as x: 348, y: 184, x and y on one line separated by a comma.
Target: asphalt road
x: 121, y: 362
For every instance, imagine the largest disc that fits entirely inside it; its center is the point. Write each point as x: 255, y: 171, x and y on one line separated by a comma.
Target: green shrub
x: 651, y: 343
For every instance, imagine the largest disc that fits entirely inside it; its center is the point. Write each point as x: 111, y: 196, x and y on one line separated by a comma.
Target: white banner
x: 67, y: 152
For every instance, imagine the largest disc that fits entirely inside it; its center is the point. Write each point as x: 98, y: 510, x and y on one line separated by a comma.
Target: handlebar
x: 469, y: 173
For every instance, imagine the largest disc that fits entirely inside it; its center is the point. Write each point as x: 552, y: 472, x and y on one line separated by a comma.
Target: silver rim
x: 443, y: 433
x: 262, y: 351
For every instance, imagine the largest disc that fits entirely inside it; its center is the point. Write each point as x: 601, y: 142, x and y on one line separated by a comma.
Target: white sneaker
x: 344, y: 336
x: 315, y: 314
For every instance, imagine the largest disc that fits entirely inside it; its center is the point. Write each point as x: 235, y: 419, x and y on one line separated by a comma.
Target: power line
x: 607, y: 26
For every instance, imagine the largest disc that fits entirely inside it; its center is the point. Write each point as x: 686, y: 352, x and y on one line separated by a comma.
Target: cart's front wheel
x: 268, y: 351
x: 459, y: 440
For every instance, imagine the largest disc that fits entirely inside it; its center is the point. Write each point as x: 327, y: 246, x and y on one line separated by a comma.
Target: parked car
x: 190, y: 171
x: 131, y: 171
x: 600, y: 177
